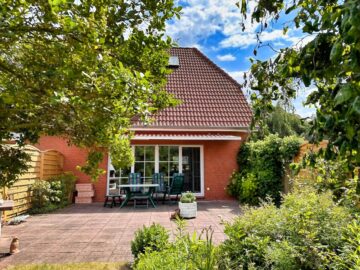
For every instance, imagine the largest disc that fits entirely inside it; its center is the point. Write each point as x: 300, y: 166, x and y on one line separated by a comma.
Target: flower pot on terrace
x: 188, y: 210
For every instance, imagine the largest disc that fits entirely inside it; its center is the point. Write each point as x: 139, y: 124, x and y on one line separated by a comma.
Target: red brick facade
x: 219, y: 163
x: 74, y: 156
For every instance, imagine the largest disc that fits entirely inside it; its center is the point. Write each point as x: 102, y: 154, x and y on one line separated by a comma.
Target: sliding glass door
x: 167, y: 159
x: 191, y: 168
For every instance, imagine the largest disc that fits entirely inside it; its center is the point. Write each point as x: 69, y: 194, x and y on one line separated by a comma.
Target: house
x: 199, y: 138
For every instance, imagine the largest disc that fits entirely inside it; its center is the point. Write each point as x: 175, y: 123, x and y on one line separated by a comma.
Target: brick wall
x: 74, y: 156
x: 219, y: 163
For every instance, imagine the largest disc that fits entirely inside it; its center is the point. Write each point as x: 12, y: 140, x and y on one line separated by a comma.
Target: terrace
x: 92, y: 233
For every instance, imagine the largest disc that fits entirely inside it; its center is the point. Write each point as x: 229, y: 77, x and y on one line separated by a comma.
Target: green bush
x: 262, y: 167
x: 153, y: 238
x: 186, y: 252
x: 40, y: 194
x: 188, y: 197
x: 305, y: 232
x: 349, y: 257
x: 333, y: 175
x: 52, y: 194
x: 67, y: 182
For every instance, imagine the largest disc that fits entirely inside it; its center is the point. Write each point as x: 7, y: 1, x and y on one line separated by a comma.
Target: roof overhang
x: 191, y: 129
x: 186, y: 137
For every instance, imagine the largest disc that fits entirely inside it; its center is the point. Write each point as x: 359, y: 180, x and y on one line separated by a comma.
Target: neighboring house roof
x: 210, y: 97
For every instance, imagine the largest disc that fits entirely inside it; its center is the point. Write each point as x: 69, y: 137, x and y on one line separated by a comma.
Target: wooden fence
x: 307, y: 173
x: 42, y: 166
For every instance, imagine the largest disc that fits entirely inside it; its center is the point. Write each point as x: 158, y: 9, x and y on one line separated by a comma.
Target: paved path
x: 87, y: 233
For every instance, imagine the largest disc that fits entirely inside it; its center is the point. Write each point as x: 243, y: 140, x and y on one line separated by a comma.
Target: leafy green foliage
x: 283, y: 123
x: 153, y: 238
x: 187, y: 197
x: 67, y: 182
x: 13, y: 162
x: 333, y: 175
x: 52, y: 194
x: 190, y: 252
x: 262, y: 168
x: 349, y: 257
x: 40, y: 194
x: 330, y: 62
x: 303, y: 233
x: 82, y: 70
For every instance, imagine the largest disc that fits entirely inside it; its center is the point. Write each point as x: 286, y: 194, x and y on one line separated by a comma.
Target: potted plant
x: 188, y: 205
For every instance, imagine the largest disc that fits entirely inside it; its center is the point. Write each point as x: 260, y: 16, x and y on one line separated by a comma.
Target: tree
x: 284, y: 123
x: 82, y: 70
x: 330, y: 62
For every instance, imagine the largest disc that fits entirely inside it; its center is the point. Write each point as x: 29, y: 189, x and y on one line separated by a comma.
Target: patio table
x: 6, y: 205
x: 133, y: 195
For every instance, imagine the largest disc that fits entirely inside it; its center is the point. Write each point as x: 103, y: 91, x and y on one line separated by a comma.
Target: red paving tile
x: 90, y: 233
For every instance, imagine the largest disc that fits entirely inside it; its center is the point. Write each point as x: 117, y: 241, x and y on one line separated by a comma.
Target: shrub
x: 52, y: 194
x: 334, y: 175
x: 188, y: 197
x: 262, y: 168
x: 153, y: 238
x: 40, y: 194
x: 67, y: 185
x: 303, y: 233
x: 186, y: 252
x: 349, y: 257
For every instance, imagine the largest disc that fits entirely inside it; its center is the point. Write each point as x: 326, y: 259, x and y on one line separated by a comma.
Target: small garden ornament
x: 14, y: 246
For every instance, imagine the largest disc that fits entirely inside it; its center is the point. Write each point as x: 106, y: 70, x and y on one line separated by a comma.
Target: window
x: 117, y: 177
x: 168, y: 161
x: 145, y: 162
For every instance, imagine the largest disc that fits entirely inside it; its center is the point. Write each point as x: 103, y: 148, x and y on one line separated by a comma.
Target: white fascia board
x: 245, y: 129
x: 186, y: 138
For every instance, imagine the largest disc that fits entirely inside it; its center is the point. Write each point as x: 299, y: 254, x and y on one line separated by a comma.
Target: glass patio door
x: 166, y: 159
x: 191, y: 168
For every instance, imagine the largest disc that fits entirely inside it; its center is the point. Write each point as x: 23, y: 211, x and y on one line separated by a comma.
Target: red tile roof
x: 210, y: 97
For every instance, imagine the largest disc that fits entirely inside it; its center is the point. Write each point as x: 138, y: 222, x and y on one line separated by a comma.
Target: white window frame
x: 202, y: 182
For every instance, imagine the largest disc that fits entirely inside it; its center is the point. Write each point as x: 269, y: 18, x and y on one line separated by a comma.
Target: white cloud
x: 226, y: 57
x: 201, y: 19
x: 237, y: 75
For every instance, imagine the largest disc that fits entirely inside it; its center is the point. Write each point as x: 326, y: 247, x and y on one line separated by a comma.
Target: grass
x: 72, y: 266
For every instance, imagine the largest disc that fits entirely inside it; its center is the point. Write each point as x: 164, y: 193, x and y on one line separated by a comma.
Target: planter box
x: 83, y: 200
x: 84, y: 187
x: 86, y: 194
x: 188, y: 210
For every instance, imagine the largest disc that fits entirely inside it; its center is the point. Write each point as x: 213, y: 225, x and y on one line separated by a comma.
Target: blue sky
x: 213, y: 26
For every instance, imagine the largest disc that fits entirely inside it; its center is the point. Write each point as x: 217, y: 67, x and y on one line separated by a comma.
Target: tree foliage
x: 13, y: 162
x: 330, y: 62
x: 281, y: 122
x: 82, y: 70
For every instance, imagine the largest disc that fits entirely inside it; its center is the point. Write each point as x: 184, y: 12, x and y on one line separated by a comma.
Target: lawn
x: 72, y: 266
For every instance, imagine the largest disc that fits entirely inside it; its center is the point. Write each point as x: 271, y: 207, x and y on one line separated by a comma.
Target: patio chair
x: 176, y: 186
x: 138, y: 193
x: 158, y: 178
x: 135, y: 178
x: 147, y: 196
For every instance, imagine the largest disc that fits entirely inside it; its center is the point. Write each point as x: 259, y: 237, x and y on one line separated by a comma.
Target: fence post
x: 41, y: 165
